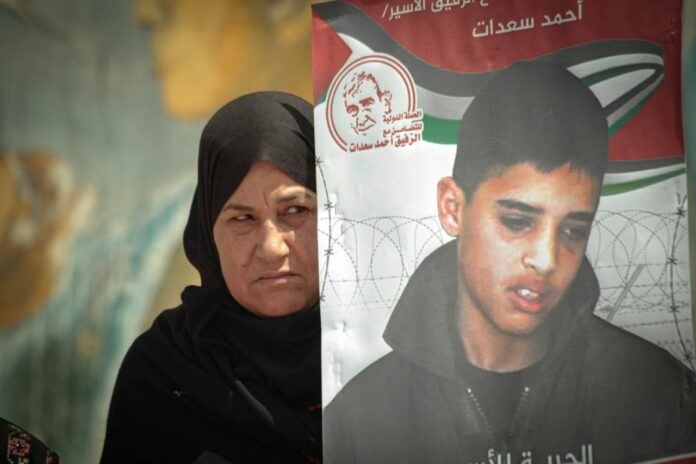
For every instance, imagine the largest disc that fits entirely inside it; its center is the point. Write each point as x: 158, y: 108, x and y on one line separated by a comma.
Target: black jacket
x: 598, y: 385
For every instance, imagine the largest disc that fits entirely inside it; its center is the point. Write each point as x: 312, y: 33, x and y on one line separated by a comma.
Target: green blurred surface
x: 78, y: 82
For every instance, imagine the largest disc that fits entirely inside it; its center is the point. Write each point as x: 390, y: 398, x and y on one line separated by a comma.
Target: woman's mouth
x: 275, y: 277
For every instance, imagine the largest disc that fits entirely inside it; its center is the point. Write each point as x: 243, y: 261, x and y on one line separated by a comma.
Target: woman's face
x: 266, y: 238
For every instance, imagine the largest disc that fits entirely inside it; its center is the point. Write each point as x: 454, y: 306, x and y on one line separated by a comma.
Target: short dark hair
x: 531, y: 112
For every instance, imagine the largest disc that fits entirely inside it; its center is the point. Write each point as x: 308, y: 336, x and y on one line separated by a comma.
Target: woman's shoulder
x: 151, y: 348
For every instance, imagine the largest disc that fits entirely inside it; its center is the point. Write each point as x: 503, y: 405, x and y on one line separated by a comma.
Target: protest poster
x: 504, y: 247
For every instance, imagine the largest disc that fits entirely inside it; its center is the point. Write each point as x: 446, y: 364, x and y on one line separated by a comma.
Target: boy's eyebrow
x: 584, y: 216
x: 581, y: 216
x: 518, y: 205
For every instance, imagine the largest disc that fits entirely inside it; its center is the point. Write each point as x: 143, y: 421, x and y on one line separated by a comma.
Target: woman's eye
x: 241, y: 218
x: 295, y: 210
x: 516, y: 223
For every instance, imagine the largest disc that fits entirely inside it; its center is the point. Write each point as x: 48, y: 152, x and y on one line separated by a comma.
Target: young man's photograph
x: 496, y: 353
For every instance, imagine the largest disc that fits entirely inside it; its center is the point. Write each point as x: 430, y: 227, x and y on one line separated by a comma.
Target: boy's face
x: 522, y: 238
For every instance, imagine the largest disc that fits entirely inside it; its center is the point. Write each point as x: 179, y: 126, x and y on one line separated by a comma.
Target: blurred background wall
x: 101, y: 107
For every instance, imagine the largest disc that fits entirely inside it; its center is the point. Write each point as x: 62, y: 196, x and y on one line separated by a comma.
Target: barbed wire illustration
x: 639, y: 257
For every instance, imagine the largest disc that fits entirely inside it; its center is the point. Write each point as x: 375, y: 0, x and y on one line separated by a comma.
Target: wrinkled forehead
x: 265, y: 183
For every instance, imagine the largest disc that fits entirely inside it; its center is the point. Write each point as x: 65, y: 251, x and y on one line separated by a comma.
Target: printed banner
x: 505, y: 271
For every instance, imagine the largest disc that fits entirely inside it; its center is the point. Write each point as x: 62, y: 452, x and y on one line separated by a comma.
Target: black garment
x: 498, y: 394
x: 209, y: 381
x: 598, y: 385
x: 181, y: 392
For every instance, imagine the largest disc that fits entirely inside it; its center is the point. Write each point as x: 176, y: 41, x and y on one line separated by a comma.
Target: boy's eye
x: 576, y: 233
x: 516, y: 223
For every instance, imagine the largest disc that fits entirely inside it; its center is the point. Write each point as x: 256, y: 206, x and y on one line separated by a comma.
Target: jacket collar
x: 420, y: 325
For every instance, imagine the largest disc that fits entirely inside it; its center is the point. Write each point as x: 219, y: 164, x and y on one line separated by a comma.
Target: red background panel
x: 445, y: 40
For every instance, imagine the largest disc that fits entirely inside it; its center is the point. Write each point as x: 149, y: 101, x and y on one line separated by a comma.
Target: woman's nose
x: 272, y: 243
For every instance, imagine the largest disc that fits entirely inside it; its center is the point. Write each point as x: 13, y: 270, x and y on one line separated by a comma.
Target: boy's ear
x: 450, y: 203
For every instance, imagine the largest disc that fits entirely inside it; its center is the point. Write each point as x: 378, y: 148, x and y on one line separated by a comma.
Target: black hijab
x: 258, y: 379
x: 266, y: 126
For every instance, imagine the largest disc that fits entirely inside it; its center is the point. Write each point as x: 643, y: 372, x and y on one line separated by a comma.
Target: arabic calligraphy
x: 397, y: 11
x: 558, y: 19
x: 510, y: 26
x: 569, y: 458
x: 483, y: 28
x: 446, y: 5
x: 390, y: 118
x: 408, y: 132
x: 400, y: 10
x: 488, y: 28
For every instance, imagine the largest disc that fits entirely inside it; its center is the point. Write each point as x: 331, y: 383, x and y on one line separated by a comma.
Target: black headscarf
x: 258, y: 379
x: 265, y: 126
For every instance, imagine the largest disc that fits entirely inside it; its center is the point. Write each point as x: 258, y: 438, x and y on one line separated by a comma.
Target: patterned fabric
x: 20, y: 447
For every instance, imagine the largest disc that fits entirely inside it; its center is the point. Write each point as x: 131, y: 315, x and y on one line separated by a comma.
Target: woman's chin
x: 279, y: 306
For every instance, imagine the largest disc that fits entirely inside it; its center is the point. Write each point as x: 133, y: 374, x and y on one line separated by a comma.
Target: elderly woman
x: 233, y: 374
